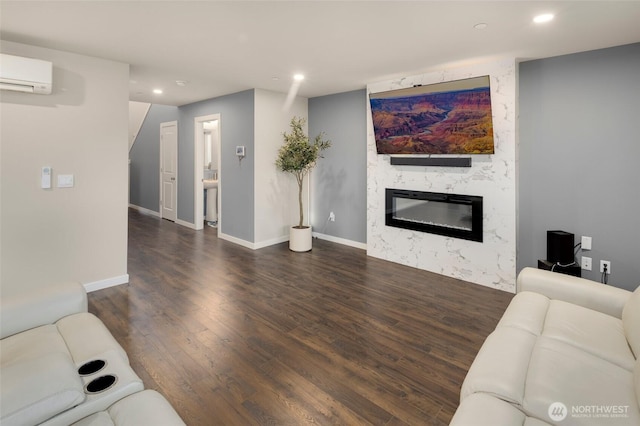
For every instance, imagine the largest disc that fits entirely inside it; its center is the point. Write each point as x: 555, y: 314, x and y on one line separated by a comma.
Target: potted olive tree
x: 298, y: 155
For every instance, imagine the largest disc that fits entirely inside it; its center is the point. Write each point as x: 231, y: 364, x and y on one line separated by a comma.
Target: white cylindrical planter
x: 300, y: 239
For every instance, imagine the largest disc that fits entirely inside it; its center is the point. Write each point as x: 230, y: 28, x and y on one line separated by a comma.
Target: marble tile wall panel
x: 491, y: 263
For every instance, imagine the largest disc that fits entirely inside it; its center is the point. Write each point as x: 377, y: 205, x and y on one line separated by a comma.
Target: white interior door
x: 169, y: 170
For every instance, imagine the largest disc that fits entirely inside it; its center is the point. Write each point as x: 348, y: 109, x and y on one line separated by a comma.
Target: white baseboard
x: 109, y: 282
x: 157, y: 214
x: 186, y: 224
x: 145, y: 211
x: 253, y: 246
x: 235, y: 240
x: 282, y: 239
x: 271, y: 242
x: 343, y: 241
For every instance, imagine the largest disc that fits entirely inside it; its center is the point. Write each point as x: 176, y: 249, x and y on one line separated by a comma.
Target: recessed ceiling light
x: 298, y: 77
x: 545, y: 17
x: 157, y: 91
x: 480, y: 26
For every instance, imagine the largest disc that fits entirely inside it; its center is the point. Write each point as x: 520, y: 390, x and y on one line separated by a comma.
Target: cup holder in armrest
x: 91, y: 367
x: 100, y: 384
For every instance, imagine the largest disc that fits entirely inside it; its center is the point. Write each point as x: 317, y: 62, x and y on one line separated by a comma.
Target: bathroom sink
x: 210, y: 183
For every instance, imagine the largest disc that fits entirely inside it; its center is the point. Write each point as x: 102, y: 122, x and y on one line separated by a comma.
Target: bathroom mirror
x: 210, y: 129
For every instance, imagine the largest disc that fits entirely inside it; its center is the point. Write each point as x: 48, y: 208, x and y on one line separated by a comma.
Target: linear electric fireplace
x: 451, y: 215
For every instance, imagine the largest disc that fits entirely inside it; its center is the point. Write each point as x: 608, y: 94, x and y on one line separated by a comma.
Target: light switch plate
x: 65, y: 181
x: 586, y: 243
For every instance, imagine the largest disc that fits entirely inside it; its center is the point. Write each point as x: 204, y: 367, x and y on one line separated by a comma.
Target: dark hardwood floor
x: 233, y: 336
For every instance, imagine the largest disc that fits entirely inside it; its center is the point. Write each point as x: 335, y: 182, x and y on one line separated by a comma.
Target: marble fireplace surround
x: 490, y: 263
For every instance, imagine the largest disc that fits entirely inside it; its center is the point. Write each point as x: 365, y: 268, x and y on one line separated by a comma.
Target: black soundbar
x: 431, y: 161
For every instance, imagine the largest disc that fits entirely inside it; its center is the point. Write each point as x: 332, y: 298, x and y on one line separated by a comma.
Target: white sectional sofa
x: 60, y: 365
x: 566, y: 352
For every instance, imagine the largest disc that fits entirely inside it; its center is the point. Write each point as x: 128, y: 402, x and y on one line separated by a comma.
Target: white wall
x: 276, y: 193
x: 491, y: 263
x: 77, y: 233
x: 137, y: 113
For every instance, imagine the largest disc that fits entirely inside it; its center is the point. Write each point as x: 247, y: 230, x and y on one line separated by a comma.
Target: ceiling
x: 222, y: 47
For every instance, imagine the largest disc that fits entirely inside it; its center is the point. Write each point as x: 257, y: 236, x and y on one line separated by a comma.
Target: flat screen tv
x: 444, y: 118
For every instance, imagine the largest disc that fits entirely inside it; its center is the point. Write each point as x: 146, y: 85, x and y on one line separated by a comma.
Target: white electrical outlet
x: 605, y: 262
x: 586, y: 263
x: 332, y: 217
x: 586, y: 243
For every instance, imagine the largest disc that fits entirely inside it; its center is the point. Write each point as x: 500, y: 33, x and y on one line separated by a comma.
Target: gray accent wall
x: 339, y: 182
x: 578, y: 157
x: 144, y: 180
x: 236, y: 178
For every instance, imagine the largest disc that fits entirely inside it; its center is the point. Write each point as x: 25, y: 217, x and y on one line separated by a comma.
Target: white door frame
x: 167, y: 124
x: 198, y: 187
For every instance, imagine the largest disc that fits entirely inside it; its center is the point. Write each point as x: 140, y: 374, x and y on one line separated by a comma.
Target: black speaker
x: 431, y: 161
x: 560, y: 247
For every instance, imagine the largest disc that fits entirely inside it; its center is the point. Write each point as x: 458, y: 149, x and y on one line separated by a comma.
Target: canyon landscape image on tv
x: 444, y: 118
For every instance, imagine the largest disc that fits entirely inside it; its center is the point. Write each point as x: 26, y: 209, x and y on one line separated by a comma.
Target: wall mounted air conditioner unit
x: 25, y: 74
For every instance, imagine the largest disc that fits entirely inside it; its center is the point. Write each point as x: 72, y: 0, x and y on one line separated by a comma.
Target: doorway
x: 207, y: 167
x: 169, y: 170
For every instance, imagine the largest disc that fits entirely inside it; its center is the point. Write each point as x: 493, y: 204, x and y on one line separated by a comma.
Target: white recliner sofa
x: 565, y: 352
x: 60, y: 365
